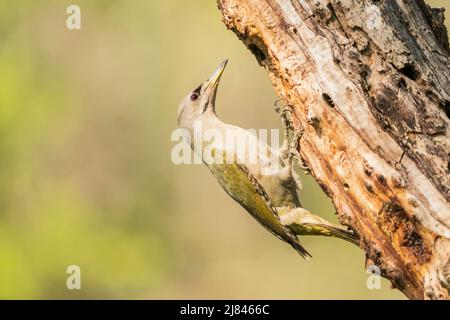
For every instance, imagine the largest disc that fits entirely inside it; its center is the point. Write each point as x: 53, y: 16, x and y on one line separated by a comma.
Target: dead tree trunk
x: 369, y: 81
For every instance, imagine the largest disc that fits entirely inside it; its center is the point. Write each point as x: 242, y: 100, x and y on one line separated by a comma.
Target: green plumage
x: 236, y: 180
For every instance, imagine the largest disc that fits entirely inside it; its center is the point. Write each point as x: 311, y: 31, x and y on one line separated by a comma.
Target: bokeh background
x: 86, y: 176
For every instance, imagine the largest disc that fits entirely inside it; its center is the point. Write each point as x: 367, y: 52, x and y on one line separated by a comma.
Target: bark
x: 369, y: 82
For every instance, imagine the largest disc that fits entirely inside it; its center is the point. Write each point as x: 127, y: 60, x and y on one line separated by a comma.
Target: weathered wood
x: 369, y: 81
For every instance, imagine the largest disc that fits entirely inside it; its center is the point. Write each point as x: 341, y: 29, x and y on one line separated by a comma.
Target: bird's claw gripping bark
x: 282, y: 111
x: 294, y: 150
x: 286, y: 121
x: 286, y: 116
x: 288, y: 152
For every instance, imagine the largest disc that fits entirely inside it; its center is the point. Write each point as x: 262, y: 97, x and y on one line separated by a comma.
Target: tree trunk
x: 369, y: 82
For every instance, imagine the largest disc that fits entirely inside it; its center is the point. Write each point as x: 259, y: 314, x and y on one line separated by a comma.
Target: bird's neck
x: 205, y: 129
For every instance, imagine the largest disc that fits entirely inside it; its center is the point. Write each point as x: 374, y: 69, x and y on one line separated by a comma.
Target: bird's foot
x: 285, y: 114
x: 294, y: 151
x: 286, y: 121
x: 290, y: 151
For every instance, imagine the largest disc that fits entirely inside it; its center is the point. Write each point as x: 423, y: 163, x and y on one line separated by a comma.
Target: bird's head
x: 200, y: 101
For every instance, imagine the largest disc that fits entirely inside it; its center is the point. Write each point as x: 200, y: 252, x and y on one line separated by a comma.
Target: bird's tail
x: 340, y: 233
x: 302, y: 222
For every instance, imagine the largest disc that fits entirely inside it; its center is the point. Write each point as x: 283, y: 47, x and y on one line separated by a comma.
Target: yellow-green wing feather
x: 244, y: 188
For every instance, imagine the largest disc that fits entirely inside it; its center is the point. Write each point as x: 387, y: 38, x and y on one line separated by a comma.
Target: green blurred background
x: 86, y: 177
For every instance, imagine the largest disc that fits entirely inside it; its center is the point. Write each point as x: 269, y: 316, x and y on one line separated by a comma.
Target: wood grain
x: 369, y: 82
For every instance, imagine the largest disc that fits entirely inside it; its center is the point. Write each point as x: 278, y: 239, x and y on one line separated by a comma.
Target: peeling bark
x: 369, y: 82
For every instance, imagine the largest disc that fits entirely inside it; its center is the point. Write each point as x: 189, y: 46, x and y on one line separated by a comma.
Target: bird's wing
x: 242, y: 186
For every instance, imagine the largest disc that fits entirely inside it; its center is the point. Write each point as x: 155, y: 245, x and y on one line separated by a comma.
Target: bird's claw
x: 290, y: 151
x: 294, y: 153
x: 285, y: 114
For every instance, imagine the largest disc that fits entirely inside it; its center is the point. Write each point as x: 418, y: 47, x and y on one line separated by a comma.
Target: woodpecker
x: 266, y: 188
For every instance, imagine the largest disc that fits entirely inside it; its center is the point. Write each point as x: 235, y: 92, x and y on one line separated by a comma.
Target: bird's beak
x: 213, y: 81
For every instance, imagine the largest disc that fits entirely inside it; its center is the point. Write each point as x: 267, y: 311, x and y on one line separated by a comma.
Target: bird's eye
x: 194, y: 96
